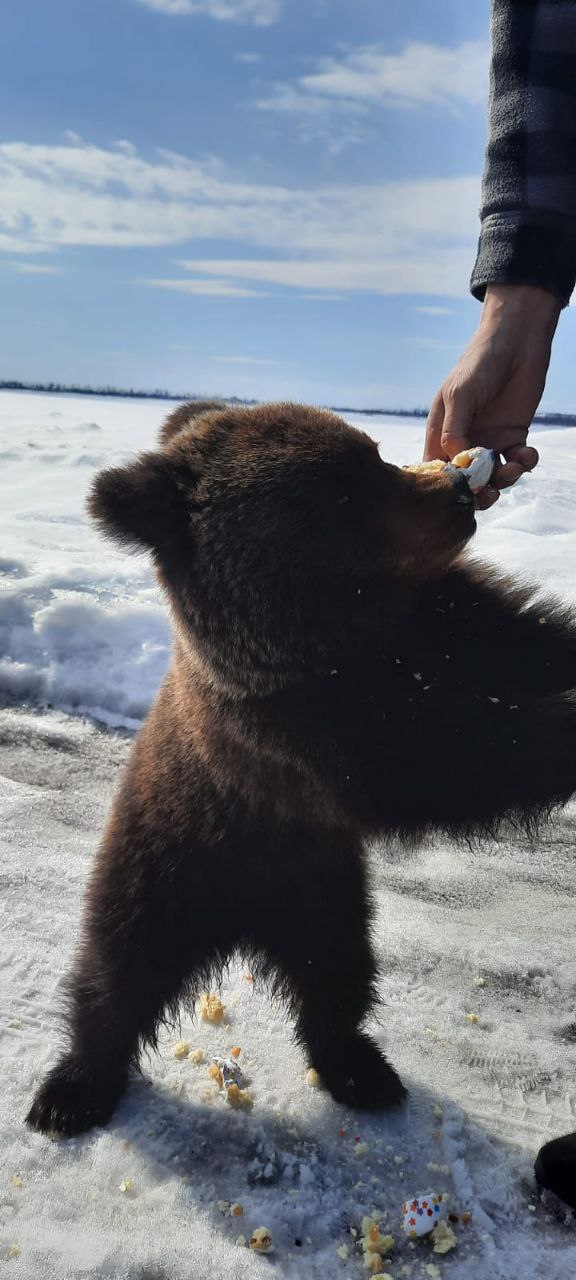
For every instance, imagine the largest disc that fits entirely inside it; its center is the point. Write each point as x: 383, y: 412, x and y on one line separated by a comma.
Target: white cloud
x: 261, y: 13
x: 439, y: 271
x: 421, y: 75
x: 13, y: 243
x: 332, y: 123
x: 248, y: 57
x: 435, y: 311
x: 291, y: 99
x: 208, y: 288
x: 395, y: 237
x: 35, y: 269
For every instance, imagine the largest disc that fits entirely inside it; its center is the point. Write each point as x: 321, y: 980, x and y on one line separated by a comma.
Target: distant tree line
x: 129, y: 393
x: 123, y: 393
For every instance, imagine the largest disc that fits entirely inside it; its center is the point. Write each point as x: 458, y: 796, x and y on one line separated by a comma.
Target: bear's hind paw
x: 358, y: 1075
x: 71, y: 1100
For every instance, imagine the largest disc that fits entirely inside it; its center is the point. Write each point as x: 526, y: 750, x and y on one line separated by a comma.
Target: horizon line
x: 124, y: 393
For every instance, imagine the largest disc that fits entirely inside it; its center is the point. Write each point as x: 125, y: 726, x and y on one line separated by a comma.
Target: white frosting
x: 480, y: 469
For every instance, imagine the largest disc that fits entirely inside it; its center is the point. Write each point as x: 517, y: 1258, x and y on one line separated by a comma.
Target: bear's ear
x: 144, y: 504
x: 185, y: 414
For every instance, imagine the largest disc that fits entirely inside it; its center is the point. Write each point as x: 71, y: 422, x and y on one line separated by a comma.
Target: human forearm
x: 528, y: 209
x: 526, y: 310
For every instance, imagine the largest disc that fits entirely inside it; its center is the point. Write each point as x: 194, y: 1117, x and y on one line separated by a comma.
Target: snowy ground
x: 82, y: 628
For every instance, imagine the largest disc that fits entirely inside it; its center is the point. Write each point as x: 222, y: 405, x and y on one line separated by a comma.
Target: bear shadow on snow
x: 339, y: 672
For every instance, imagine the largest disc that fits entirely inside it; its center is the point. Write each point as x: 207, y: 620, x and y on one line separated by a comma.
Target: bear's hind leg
x: 334, y: 998
x: 140, y: 952
x: 110, y: 1016
x: 327, y: 966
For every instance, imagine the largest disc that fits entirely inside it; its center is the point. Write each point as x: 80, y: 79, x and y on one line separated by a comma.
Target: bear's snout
x: 464, y: 495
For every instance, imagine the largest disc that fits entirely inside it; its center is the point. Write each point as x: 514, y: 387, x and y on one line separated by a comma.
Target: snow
x: 83, y: 628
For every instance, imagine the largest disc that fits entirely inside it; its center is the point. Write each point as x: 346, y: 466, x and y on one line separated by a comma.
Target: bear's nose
x: 464, y: 495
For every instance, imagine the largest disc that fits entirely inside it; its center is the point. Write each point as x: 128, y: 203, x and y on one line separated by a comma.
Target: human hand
x: 492, y: 394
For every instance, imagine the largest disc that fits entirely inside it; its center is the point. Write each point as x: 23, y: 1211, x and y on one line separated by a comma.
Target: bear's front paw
x: 71, y: 1100
x: 358, y: 1075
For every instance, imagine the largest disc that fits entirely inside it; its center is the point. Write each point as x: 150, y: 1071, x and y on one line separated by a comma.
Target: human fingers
x: 506, y: 474
x: 432, y: 442
x: 455, y: 434
x: 519, y: 459
x: 487, y: 497
x: 523, y: 454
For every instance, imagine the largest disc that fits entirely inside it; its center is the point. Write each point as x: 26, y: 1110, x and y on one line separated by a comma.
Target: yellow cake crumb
x: 433, y: 1271
x: 239, y: 1099
x: 435, y: 464
x: 236, y: 1210
x: 260, y: 1240
x: 241, y: 1240
x: 181, y: 1050
x: 462, y: 459
x: 361, y: 1149
x: 372, y: 1262
x: 479, y: 981
x: 208, y: 1096
x: 444, y: 1238
x: 17, y: 1181
x: 127, y: 1186
x: 211, y: 1008
x: 313, y: 1078
x: 372, y: 1241
x: 472, y: 1017
x: 13, y: 1251
x: 343, y: 1252
x: 215, y: 1074
x: 197, y: 1057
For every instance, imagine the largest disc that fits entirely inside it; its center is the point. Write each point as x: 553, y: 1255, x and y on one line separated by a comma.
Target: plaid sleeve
x: 528, y: 211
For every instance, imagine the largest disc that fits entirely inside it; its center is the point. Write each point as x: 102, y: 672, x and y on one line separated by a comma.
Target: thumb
x: 448, y: 426
x: 432, y: 443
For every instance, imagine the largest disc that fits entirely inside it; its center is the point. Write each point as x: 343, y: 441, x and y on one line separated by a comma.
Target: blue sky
x: 270, y: 198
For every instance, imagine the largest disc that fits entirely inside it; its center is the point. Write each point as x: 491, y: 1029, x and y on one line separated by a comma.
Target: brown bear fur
x: 339, y: 672
x: 183, y: 416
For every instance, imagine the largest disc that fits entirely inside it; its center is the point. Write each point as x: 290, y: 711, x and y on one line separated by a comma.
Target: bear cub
x: 340, y: 672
